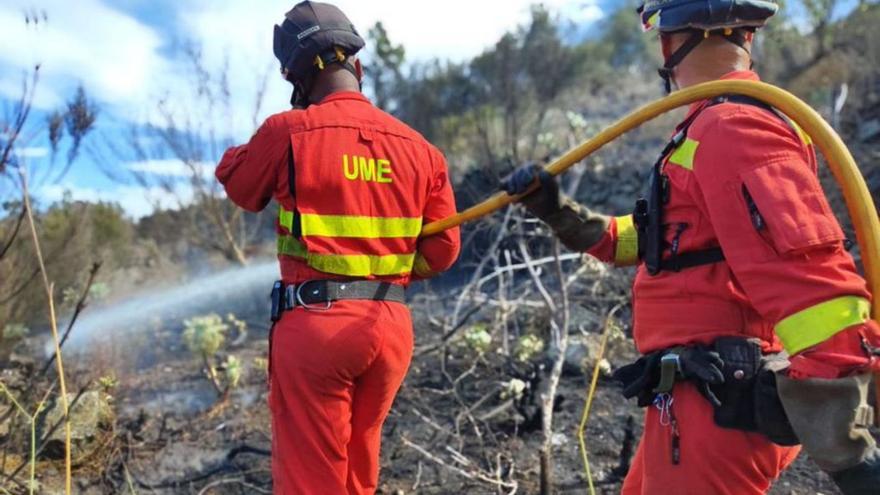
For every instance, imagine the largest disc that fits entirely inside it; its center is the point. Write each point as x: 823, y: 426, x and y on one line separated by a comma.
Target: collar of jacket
x: 345, y: 95
x: 738, y: 75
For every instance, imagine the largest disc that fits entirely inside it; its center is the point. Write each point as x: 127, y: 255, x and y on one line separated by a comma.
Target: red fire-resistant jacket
x: 363, y: 184
x: 787, y: 279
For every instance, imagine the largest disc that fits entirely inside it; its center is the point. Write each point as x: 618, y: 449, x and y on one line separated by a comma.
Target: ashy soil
x: 173, y: 437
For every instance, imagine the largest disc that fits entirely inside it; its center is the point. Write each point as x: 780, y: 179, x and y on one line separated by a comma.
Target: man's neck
x: 333, y: 80
x: 691, y: 76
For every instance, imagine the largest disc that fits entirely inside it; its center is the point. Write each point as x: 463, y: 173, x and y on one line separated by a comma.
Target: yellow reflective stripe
x: 805, y: 138
x: 355, y: 265
x: 819, y: 323
x: 422, y: 268
x: 685, y: 153
x: 360, y: 227
x: 626, y: 252
x: 362, y: 265
x: 290, y: 246
x: 285, y: 218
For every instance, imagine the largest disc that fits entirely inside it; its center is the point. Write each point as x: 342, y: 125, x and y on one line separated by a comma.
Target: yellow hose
x: 855, y: 191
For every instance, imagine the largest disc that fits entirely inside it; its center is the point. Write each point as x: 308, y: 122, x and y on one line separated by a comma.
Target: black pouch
x: 770, y: 416
x: 742, y: 362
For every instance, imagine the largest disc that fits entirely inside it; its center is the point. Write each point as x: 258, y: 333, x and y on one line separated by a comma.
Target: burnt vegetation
x: 506, y: 343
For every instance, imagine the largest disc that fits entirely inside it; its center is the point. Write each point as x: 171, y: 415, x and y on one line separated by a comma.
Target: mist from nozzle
x: 221, y: 293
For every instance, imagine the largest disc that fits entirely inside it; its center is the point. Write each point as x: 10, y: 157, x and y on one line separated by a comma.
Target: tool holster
x: 832, y: 417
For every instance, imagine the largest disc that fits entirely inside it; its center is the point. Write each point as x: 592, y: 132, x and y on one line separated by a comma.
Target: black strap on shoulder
x: 649, y: 214
x: 291, y: 179
x: 748, y: 100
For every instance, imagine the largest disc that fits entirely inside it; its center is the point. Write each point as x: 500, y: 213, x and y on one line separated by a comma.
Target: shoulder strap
x: 291, y: 184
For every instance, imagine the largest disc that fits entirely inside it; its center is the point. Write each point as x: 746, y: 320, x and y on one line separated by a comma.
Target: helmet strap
x: 666, y: 72
x: 735, y: 36
x: 302, y: 89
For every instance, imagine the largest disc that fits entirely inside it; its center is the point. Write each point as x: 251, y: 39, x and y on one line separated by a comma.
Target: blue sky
x: 127, y: 54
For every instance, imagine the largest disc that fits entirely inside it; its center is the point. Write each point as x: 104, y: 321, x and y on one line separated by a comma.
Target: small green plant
x: 233, y: 371
x: 261, y: 363
x: 204, y: 336
x: 15, y: 331
x: 478, y: 338
x: 527, y: 347
x: 108, y: 382
x: 240, y: 326
x: 513, y: 389
x: 98, y: 291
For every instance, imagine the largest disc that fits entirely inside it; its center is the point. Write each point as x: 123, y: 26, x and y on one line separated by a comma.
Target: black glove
x: 698, y: 364
x: 541, y: 202
x: 640, y: 378
x: 703, y: 367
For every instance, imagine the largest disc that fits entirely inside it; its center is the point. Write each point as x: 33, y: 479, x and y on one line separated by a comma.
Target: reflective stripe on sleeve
x: 626, y: 251
x: 819, y: 323
x: 359, y: 226
x: 422, y: 268
x: 683, y: 156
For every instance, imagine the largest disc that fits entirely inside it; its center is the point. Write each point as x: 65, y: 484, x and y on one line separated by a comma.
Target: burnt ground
x: 171, y: 437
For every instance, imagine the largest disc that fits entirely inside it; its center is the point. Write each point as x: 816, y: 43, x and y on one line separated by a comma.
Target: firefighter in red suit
x: 354, y: 186
x: 739, y: 258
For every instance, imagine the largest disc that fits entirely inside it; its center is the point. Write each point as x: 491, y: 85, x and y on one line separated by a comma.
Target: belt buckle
x: 310, y: 307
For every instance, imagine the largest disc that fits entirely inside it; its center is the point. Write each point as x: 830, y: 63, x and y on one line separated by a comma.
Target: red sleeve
x: 250, y: 172
x: 619, y: 245
x: 782, y: 242
x: 438, y: 253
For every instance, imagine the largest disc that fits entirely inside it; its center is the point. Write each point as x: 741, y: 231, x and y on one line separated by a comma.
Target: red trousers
x: 334, y: 375
x: 714, y: 460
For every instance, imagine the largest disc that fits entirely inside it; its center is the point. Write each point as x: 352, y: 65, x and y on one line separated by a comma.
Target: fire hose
x: 859, y: 202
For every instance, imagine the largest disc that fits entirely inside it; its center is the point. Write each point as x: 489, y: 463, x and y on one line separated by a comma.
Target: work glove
x: 578, y: 228
x: 542, y: 202
x: 703, y: 367
x: 831, y: 418
x: 639, y: 379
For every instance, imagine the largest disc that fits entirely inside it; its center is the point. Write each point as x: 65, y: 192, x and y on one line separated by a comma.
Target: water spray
x: 204, y: 293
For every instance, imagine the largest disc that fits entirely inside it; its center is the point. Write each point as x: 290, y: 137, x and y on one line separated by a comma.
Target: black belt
x: 321, y: 294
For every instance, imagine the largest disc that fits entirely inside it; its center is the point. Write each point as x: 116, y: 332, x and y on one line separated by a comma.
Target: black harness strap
x: 291, y: 179
x: 648, y: 215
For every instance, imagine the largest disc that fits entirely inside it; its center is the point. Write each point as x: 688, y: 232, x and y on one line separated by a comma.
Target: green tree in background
x: 385, y: 70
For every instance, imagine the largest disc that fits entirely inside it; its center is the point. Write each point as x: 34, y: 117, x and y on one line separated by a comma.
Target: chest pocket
x: 791, y: 206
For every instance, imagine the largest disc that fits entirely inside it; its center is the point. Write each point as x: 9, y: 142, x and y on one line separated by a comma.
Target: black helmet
x: 728, y: 18
x: 706, y: 15
x: 312, y: 36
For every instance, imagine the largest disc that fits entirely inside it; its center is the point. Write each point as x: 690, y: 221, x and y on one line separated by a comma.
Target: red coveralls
x: 364, y: 184
x: 790, y: 283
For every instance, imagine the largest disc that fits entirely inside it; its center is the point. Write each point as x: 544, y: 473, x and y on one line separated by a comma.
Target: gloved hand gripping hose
x: 861, y: 205
x: 859, y: 202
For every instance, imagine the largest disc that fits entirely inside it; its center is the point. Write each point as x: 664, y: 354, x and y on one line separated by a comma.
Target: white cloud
x: 32, y: 152
x: 170, y: 168
x: 112, y: 54
x: 137, y: 202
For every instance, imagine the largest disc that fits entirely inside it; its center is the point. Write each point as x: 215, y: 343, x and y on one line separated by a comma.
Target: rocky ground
x: 160, y: 429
